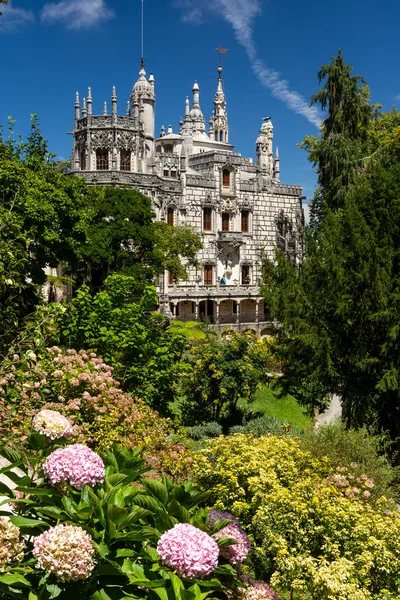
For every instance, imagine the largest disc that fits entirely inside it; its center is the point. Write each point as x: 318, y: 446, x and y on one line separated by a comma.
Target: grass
x: 286, y: 408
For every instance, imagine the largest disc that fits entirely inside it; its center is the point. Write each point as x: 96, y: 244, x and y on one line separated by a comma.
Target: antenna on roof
x: 142, y: 61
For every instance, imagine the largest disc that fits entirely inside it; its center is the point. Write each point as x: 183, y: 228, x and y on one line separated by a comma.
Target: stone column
x: 217, y: 313
x: 257, y: 307
x: 238, y: 312
x: 174, y: 310
x: 197, y: 310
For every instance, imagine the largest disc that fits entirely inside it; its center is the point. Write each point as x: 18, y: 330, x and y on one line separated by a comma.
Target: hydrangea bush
x: 93, y: 526
x: 317, y: 530
x: 80, y: 386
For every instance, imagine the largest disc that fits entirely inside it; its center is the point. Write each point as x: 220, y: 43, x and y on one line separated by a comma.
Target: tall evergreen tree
x: 340, y: 310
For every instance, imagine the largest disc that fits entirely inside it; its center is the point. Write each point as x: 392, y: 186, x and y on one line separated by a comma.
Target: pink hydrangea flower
x: 11, y: 547
x: 52, y: 424
x: 66, y: 551
x: 188, y: 550
x: 75, y: 464
x: 257, y: 590
x: 237, y: 553
x: 218, y: 515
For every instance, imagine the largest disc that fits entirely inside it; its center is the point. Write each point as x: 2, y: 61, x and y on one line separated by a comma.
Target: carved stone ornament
x: 102, y: 139
x: 80, y: 140
x: 102, y: 121
x: 228, y: 205
x: 126, y: 140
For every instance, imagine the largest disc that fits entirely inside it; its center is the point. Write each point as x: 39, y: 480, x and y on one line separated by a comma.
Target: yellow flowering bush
x: 309, y: 534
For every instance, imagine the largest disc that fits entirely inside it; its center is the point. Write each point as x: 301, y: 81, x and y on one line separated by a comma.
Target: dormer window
x: 226, y: 178
x: 102, y: 160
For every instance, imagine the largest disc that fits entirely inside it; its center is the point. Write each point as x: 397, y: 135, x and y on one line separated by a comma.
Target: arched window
x: 170, y: 216
x: 125, y: 160
x: 102, y: 160
x: 226, y: 178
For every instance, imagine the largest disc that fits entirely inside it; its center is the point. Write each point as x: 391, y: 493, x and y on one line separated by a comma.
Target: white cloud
x: 77, y: 14
x: 14, y: 18
x: 397, y: 97
x: 240, y: 14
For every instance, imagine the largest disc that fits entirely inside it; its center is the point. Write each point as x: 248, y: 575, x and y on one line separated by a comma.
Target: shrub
x: 316, y: 529
x: 81, y: 387
x: 123, y: 536
x: 346, y: 446
x: 208, y: 430
x: 262, y: 426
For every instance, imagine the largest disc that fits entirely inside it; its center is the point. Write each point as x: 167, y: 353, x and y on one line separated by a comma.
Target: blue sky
x: 50, y: 50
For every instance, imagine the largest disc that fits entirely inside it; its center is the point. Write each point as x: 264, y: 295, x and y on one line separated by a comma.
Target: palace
x: 195, y: 178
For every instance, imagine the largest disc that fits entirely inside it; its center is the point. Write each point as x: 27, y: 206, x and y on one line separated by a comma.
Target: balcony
x: 229, y: 240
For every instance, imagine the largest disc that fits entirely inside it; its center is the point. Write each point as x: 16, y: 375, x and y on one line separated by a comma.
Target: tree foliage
x: 339, y: 312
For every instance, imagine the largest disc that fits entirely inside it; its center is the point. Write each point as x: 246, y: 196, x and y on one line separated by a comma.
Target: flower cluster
x: 188, y: 550
x: 75, y: 464
x: 11, y: 547
x: 66, y: 551
x: 52, y: 424
x: 353, y: 486
x: 237, y: 553
x: 256, y: 590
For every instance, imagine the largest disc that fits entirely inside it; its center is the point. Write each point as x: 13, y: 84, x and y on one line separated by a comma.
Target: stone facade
x: 195, y: 178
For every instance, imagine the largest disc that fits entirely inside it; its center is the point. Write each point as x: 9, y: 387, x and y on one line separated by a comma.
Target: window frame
x: 207, y: 218
x: 225, y: 221
x: 125, y: 159
x: 208, y: 274
x: 245, y: 220
x: 102, y: 160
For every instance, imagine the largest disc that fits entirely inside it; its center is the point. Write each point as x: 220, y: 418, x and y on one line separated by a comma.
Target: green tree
x: 217, y: 374
x: 339, y: 311
x: 337, y: 154
x: 122, y: 237
x: 130, y: 335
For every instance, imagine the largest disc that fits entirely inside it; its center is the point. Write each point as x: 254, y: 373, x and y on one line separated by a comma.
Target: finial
x: 84, y: 111
x: 128, y: 110
x: 89, y: 94
x: 114, y: 93
x: 187, y: 107
x: 276, y: 154
x: 89, y: 101
x: 162, y: 133
x: 77, y: 106
x: 105, y: 113
x: 169, y: 129
x: 77, y: 99
x: 114, y: 101
x: 195, y: 87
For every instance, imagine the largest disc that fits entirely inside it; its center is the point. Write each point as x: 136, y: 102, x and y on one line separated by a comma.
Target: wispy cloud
x: 397, y: 97
x: 14, y: 18
x: 241, y: 14
x: 77, y: 14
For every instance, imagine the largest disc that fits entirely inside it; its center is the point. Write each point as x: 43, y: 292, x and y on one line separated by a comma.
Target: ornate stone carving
x: 126, y: 140
x: 101, y: 139
x: 80, y: 140
x: 228, y: 205
x: 102, y: 121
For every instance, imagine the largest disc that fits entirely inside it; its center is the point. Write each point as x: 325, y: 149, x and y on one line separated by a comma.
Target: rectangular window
x: 125, y: 160
x: 82, y: 160
x: 245, y: 221
x: 225, y: 221
x: 173, y: 173
x: 170, y: 278
x: 245, y: 275
x: 207, y: 219
x: 170, y: 216
x: 166, y: 173
x: 208, y: 275
x: 226, y: 178
x: 102, y: 160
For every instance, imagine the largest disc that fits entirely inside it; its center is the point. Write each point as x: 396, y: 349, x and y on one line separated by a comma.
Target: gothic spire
x: 219, y: 121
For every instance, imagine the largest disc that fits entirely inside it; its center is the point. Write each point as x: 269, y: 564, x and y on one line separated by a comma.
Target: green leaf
x: 157, y: 489
x: 14, y: 579
x: 223, y: 541
x: 53, y: 590
x: 23, y: 522
x: 177, y: 585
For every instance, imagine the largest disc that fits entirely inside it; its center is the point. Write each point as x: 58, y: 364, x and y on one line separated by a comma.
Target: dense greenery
x: 339, y: 311
x: 317, y: 530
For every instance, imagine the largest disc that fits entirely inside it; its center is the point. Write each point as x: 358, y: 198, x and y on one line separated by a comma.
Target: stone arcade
x: 195, y: 178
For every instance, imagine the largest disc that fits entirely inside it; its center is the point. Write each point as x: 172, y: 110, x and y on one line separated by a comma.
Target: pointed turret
x: 84, y: 111
x: 128, y: 109
x: 114, y: 101
x: 198, y: 121
x: 105, y: 112
x: 219, y: 130
x: 143, y: 95
x: 89, y: 102
x: 277, y: 168
x: 264, y: 147
x: 77, y: 107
